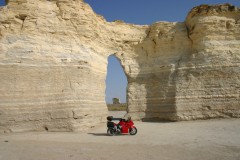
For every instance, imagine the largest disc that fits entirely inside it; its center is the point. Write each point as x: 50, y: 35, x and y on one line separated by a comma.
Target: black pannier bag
x: 110, y: 124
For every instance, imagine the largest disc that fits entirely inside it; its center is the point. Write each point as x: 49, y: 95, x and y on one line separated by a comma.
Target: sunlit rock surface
x: 189, y: 70
x: 53, y: 62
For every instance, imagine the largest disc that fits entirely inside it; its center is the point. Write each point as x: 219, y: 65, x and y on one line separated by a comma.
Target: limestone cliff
x: 208, y: 83
x: 53, y: 64
x: 53, y: 61
x: 189, y: 70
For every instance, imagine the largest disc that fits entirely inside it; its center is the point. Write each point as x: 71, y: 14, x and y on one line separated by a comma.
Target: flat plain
x: 217, y: 139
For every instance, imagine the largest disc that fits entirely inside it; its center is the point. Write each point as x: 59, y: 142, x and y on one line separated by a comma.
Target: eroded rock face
x: 209, y: 87
x: 53, y: 63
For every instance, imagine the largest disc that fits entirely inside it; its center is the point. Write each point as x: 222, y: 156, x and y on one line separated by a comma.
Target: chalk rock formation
x: 53, y: 64
x: 208, y: 83
x: 189, y: 70
x: 53, y: 61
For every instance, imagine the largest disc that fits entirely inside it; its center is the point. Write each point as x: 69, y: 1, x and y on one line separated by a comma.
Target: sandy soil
x: 194, y: 140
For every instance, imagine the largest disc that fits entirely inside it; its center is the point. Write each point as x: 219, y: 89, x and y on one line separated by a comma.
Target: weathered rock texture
x: 189, y: 70
x: 53, y: 61
x: 208, y: 83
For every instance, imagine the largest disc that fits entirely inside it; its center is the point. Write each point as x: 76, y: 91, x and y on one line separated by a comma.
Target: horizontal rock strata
x: 211, y: 83
x: 53, y: 62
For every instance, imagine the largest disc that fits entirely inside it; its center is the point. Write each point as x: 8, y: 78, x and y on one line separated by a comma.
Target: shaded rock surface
x: 53, y: 63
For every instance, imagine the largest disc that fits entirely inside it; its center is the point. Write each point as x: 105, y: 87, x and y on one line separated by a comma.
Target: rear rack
x: 110, y: 118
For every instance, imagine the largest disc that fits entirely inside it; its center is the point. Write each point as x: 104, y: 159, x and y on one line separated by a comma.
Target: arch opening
x: 116, y: 85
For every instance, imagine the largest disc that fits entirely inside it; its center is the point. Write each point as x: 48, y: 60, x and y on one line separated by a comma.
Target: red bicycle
x: 123, y: 127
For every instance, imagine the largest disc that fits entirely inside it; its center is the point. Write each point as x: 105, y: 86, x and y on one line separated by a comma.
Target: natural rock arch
x: 53, y: 65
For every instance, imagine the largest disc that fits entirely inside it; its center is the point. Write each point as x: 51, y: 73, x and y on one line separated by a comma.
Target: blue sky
x: 2, y: 2
x: 140, y: 12
x: 116, y: 81
x: 149, y: 11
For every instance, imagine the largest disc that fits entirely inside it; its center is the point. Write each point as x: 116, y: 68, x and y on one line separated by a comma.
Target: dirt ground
x: 193, y: 140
